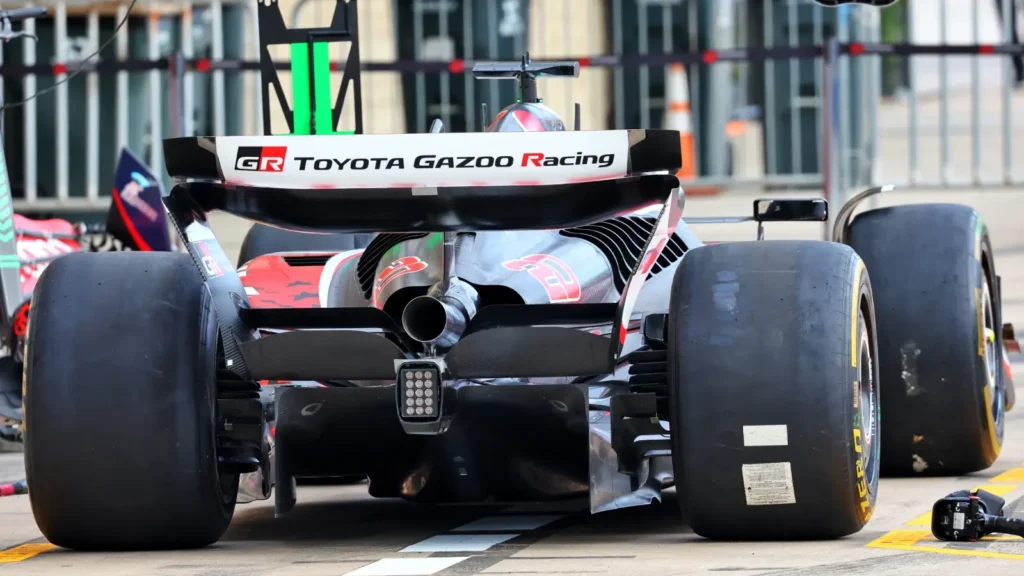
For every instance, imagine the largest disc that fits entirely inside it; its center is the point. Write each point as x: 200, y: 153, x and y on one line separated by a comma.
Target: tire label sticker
x: 774, y: 435
x: 768, y: 484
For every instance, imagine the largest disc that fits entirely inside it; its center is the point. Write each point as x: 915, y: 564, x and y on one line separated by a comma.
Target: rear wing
x: 418, y: 182
x: 428, y: 182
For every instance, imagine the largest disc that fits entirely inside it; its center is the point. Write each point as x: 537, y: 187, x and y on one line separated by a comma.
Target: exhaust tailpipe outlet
x: 431, y: 321
x: 438, y: 319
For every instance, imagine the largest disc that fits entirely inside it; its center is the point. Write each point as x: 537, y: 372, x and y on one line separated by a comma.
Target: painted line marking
x: 922, y: 520
x: 24, y: 552
x: 907, y: 540
x: 407, y: 566
x: 1011, y: 475
x: 507, y: 523
x: 459, y: 543
x: 997, y: 489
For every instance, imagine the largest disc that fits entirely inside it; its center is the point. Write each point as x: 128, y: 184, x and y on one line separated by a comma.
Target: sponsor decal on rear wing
x: 423, y: 160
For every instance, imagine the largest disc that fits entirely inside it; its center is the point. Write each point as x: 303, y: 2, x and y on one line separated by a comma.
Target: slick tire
x: 262, y: 239
x: 773, y: 390
x: 939, y: 337
x: 120, y: 400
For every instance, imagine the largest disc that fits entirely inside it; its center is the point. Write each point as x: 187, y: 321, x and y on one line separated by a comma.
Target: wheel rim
x: 867, y: 409
x: 991, y: 354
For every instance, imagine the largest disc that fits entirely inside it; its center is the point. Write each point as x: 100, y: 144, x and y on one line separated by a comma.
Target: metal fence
x: 754, y: 78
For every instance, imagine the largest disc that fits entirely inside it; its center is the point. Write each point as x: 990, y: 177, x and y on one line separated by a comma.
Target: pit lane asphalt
x: 341, y: 531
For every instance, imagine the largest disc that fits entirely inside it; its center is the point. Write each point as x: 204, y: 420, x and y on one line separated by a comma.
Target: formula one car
x: 136, y: 221
x: 533, y: 320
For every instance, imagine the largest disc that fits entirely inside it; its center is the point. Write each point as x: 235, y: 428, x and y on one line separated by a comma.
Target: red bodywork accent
x: 398, y: 268
x: 273, y: 283
x: 528, y: 121
x: 30, y: 248
x: 497, y: 119
x: 554, y: 275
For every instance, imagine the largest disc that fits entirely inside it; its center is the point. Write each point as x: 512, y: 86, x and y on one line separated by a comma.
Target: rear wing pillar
x: 313, y: 111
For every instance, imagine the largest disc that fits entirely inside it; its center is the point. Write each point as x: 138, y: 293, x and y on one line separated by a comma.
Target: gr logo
x: 879, y: 3
x: 261, y: 158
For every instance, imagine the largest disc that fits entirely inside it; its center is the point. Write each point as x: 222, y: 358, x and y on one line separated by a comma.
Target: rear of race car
x: 500, y: 339
x: 404, y: 285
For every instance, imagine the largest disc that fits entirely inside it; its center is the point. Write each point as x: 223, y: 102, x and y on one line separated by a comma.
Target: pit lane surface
x: 338, y: 530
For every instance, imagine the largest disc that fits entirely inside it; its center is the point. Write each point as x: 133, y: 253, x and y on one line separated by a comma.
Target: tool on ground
x: 965, y: 516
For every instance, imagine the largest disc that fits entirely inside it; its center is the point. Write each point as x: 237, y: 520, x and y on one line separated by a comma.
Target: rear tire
x: 773, y: 391
x: 262, y: 239
x: 121, y: 399
x: 934, y: 280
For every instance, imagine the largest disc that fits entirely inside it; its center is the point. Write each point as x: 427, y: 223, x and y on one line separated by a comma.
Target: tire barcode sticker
x: 768, y: 484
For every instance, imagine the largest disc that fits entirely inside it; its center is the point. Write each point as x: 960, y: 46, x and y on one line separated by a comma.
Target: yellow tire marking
x: 991, y: 421
x: 853, y: 312
x: 981, y: 322
x: 24, y: 552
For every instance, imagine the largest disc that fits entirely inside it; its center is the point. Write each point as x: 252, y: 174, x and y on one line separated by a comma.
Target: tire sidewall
x: 865, y: 458
x: 223, y: 489
x: 992, y: 425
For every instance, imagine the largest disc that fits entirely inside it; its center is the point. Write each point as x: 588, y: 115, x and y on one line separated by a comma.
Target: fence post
x: 830, y: 113
x: 176, y: 94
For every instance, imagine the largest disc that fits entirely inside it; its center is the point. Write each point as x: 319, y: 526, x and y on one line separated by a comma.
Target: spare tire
x: 262, y: 239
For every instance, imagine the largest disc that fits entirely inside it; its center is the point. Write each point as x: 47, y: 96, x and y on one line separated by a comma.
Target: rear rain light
x: 419, y: 395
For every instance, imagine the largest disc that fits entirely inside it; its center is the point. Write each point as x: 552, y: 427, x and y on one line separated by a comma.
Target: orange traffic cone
x: 677, y: 117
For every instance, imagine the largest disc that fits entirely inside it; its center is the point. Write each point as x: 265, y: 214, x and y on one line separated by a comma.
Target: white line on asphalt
x: 407, y: 566
x: 459, y: 543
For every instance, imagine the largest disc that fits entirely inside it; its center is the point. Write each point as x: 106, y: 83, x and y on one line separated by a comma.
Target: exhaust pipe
x: 439, y: 318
